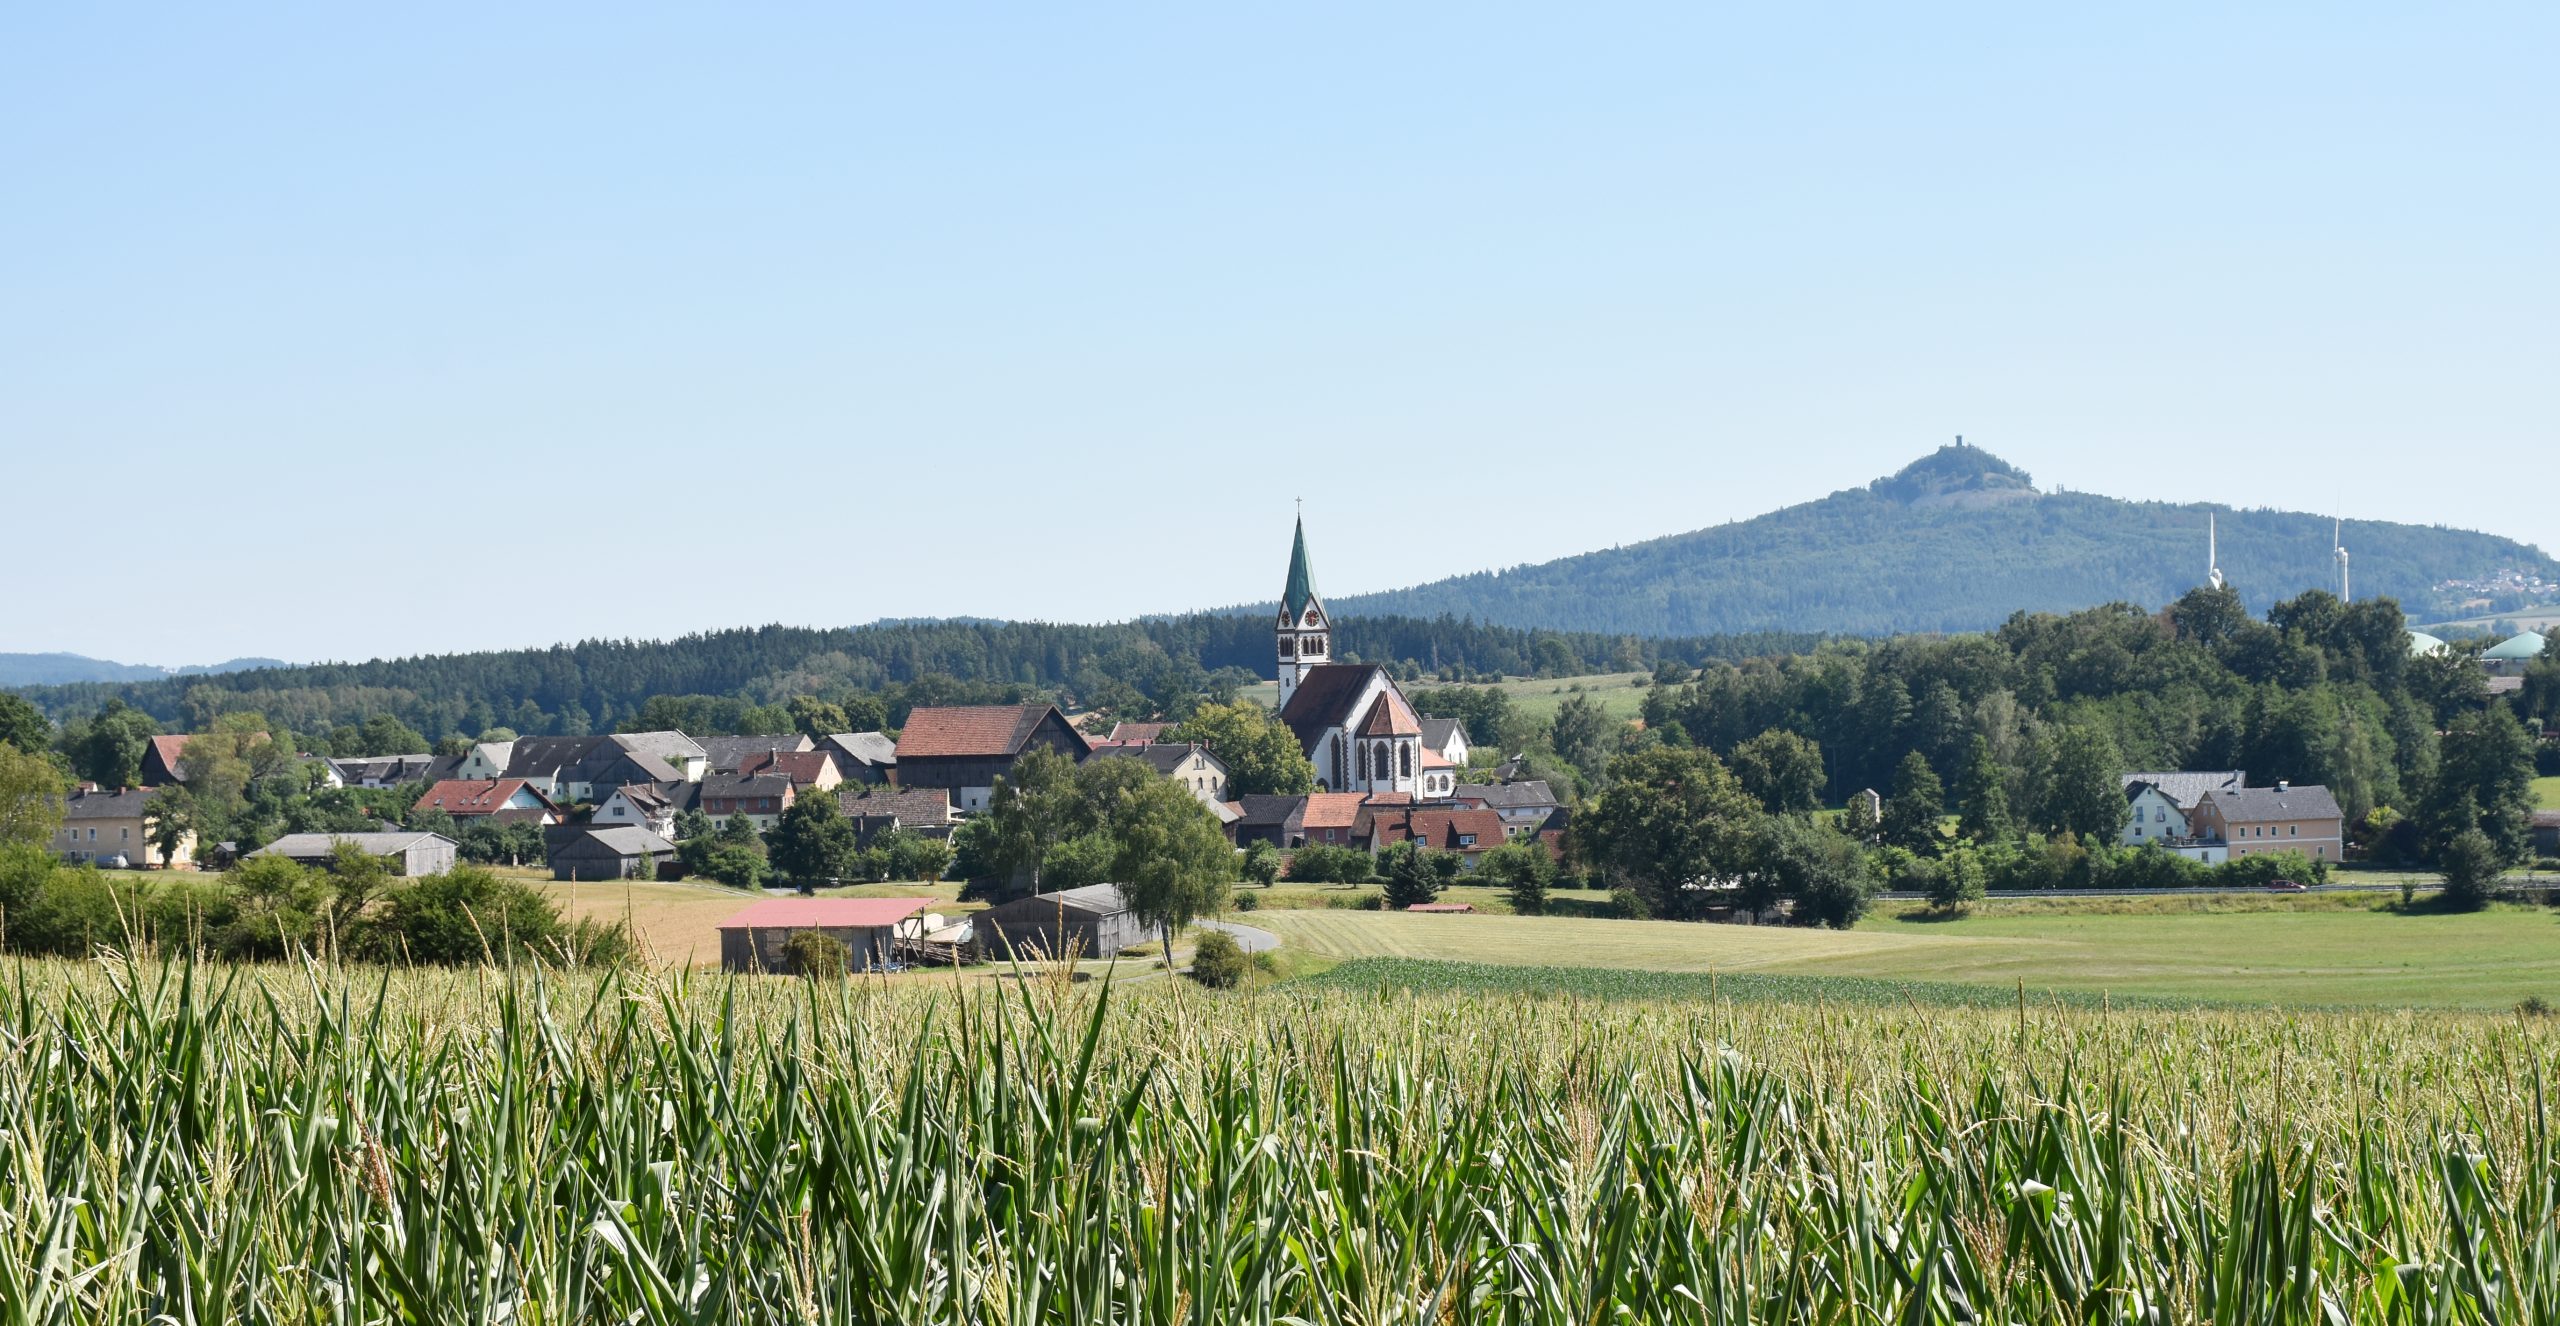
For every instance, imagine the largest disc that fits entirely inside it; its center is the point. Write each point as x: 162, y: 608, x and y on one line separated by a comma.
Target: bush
x: 1523, y: 870
x: 2257, y: 872
x: 1217, y: 961
x: 469, y: 916
x: 1246, y: 902
x: 816, y: 954
x: 1320, y: 863
x: 2469, y: 863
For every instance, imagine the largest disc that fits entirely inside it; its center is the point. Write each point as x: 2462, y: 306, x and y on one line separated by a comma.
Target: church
x: 1352, y: 718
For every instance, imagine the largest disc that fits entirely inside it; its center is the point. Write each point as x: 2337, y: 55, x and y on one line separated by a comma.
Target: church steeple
x: 1304, y: 631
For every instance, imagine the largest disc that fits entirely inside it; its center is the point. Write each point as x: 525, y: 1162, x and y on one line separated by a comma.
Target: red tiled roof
x: 1437, y: 828
x: 1138, y: 731
x: 1445, y: 908
x: 1432, y: 759
x: 1390, y: 798
x: 976, y: 729
x: 1390, y: 716
x: 1331, y: 810
x: 829, y: 913
x: 169, y: 748
x: 472, y: 796
x: 802, y: 767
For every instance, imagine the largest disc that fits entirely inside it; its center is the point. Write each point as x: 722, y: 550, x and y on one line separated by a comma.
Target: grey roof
x: 1096, y: 899
x: 872, y: 748
x: 122, y: 804
x: 624, y: 840
x: 916, y: 807
x: 600, y: 760
x: 745, y: 785
x: 302, y: 845
x: 1267, y: 808
x: 1437, y: 731
x: 730, y: 752
x: 674, y: 748
x: 1166, y: 758
x: 393, y: 768
x: 2257, y: 805
x: 1532, y: 794
x: 2184, y: 790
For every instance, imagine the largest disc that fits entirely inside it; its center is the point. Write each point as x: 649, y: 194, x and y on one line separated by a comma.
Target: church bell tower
x: 1305, y: 632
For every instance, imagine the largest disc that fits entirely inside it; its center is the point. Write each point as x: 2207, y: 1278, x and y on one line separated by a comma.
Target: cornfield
x: 310, y: 1145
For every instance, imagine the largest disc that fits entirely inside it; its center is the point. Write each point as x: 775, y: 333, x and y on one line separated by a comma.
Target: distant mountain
x: 61, y: 669
x: 1957, y: 541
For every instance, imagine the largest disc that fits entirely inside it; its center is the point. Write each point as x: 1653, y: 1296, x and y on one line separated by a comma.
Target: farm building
x: 412, y: 855
x: 1095, y: 920
x: 624, y: 851
x: 753, y: 940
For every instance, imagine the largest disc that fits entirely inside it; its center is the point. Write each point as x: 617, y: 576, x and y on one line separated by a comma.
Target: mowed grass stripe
x: 1581, y: 941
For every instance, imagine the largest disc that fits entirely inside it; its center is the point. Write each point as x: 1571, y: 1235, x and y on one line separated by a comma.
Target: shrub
x: 469, y: 916
x: 816, y: 954
x: 1246, y: 902
x: 2535, y: 1006
x: 1217, y: 961
x: 1321, y: 863
x: 1525, y: 871
x: 2469, y: 864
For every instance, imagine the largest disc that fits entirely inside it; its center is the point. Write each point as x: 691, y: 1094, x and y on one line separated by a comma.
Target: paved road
x: 1246, y: 937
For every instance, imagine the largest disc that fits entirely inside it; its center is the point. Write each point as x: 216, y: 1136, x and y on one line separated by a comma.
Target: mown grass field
x: 2325, y: 951
x: 310, y: 1144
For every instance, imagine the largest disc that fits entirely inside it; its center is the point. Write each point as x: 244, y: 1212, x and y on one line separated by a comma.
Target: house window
x: 1466, y: 840
x: 2293, y: 831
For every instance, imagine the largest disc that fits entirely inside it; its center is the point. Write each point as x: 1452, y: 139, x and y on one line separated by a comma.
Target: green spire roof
x: 1301, y: 589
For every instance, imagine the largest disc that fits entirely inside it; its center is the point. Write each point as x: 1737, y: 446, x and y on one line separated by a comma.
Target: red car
x: 2286, y: 886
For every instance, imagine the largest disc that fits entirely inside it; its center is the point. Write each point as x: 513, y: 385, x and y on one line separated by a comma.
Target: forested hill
x: 1956, y: 542
x: 598, y: 685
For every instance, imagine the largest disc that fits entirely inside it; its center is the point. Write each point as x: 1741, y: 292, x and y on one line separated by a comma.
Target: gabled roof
x: 972, y: 730
x: 1263, y: 809
x: 646, y: 796
x: 1140, y: 732
x: 475, y: 796
x: 1332, y: 810
x: 826, y: 913
x: 1323, y: 699
x: 1442, y: 827
x: 120, y: 804
x: 916, y: 807
x: 801, y: 767
x: 303, y: 845
x: 729, y: 752
x: 729, y: 786
x: 672, y: 747
x: 1166, y: 759
x: 1092, y: 899
x: 871, y: 748
x: 2258, y: 805
x: 1437, y: 731
x: 2184, y: 789
x: 617, y: 839
x: 1528, y: 794
x: 167, y: 749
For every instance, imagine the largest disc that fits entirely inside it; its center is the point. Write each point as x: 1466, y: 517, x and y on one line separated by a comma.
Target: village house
x: 409, y: 855
x: 160, y: 761
x: 964, y: 749
x: 1468, y: 831
x: 727, y: 753
x: 113, y: 828
x: 576, y: 769
x: 2283, y: 818
x: 758, y: 939
x: 808, y: 770
x: 921, y: 810
x: 1200, y: 773
x: 393, y: 770
x: 864, y: 757
x: 1446, y: 738
x: 1137, y: 734
x: 499, y: 800
x: 651, y: 806
x: 1269, y: 818
x: 1091, y: 922
x: 592, y: 852
x: 486, y: 759
x: 1330, y: 819
x: 760, y: 797
x: 1523, y: 806
x: 2163, y: 806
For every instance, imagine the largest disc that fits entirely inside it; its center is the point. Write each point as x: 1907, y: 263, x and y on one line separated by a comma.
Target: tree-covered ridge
x: 598, y: 685
x: 1956, y: 542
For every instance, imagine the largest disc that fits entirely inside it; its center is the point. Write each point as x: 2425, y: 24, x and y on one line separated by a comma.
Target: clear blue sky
x: 338, y: 331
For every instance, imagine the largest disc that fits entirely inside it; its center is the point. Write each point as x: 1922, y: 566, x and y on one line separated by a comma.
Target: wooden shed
x: 1095, y: 920
x: 752, y: 940
x: 614, y: 852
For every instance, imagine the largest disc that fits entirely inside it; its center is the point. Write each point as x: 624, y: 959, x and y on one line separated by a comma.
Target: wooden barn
x: 752, y: 940
x: 1095, y: 920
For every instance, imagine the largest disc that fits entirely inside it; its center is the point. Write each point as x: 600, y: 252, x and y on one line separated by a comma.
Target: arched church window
x: 1404, y: 759
x: 1287, y: 646
x: 1315, y: 644
x: 1378, y: 763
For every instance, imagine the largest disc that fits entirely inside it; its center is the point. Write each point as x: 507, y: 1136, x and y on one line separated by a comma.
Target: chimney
x: 2283, y: 785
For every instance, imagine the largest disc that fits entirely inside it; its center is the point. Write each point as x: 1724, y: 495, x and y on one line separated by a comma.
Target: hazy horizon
x: 339, y: 335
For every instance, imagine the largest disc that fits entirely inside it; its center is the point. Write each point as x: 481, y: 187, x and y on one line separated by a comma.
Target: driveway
x: 1246, y: 937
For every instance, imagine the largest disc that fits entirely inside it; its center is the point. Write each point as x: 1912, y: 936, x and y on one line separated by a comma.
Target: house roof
x: 644, y: 796
x: 734, y: 785
x: 871, y: 748
x: 1332, y: 810
x: 168, y: 748
x: 972, y: 729
x: 2257, y: 805
x: 826, y: 913
x: 673, y: 747
x: 625, y: 840
x: 922, y: 806
x: 299, y: 845
x: 474, y: 796
x: 2546, y: 819
x: 103, y: 804
x: 587, y: 760
x: 1323, y: 699
x: 1433, y: 759
x: 1436, y: 826
x: 394, y: 768
x: 1138, y: 731
x: 801, y: 767
x: 1528, y: 794
x: 1166, y: 759
x: 727, y: 753
x: 1390, y: 716
x: 1094, y: 899
x: 2184, y: 790
x: 1437, y: 731
x: 1261, y: 808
